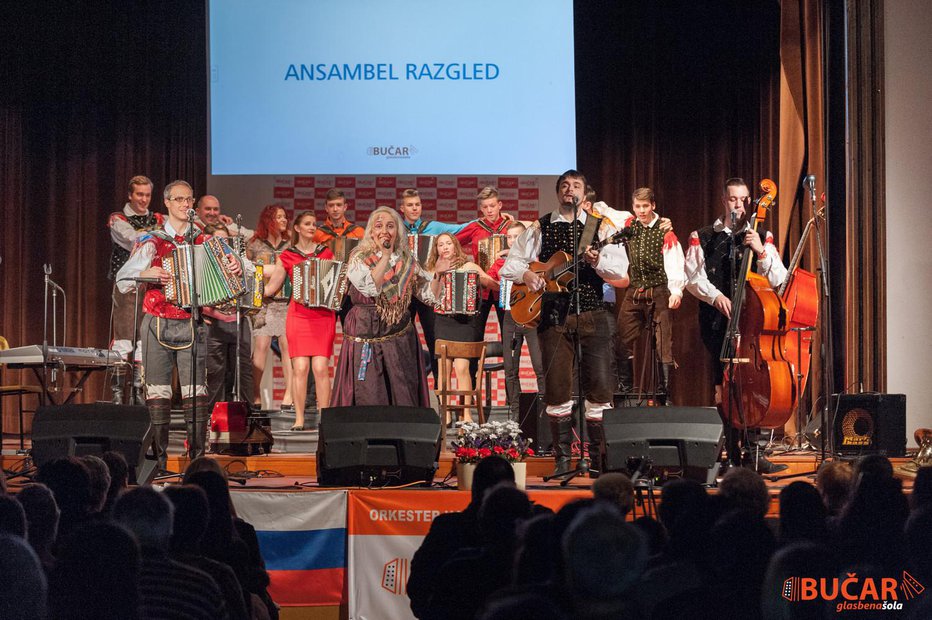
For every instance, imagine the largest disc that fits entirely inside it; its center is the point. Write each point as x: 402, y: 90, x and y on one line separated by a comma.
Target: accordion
x: 319, y: 283
x: 420, y: 246
x: 504, y: 294
x: 341, y: 247
x: 459, y: 292
x: 487, y: 250
x: 205, y: 266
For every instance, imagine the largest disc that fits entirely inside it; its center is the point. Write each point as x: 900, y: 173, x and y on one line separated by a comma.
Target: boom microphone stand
x: 583, y: 464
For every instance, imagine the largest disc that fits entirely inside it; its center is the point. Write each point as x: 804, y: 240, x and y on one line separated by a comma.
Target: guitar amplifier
x: 869, y: 424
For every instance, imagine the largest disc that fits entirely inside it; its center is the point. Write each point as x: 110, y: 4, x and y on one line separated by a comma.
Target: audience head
x: 604, y: 555
x: 922, y: 488
x: 119, y: 476
x: 802, y: 513
x: 96, y: 575
x: 615, y: 488
x: 503, y: 508
x: 41, y: 515
x: 70, y: 482
x: 745, y: 489
x: 12, y: 517
x: 220, y: 529
x: 100, y: 480
x: 24, y: 589
x: 834, y: 481
x: 203, y: 463
x: 873, y: 465
x: 147, y: 514
x: 489, y: 472
x: 534, y: 556
x: 798, y: 559
x: 191, y: 515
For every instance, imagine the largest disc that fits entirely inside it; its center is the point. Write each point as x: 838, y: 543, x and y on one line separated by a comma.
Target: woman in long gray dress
x: 380, y: 359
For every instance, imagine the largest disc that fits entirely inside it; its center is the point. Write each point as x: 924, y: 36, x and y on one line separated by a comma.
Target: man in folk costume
x: 550, y: 234
x: 126, y: 226
x: 713, y: 261
x: 168, y: 331
x: 657, y: 277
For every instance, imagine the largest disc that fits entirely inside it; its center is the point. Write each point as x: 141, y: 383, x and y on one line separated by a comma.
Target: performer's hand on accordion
x: 234, y: 265
x: 156, y: 272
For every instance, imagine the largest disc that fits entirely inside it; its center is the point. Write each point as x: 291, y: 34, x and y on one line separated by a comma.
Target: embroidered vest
x: 119, y: 255
x: 558, y: 237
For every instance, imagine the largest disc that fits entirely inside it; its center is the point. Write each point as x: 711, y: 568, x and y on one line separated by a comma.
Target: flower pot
x: 520, y: 474
x: 464, y: 473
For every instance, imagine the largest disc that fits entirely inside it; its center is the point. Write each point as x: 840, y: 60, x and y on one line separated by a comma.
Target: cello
x: 800, y: 294
x: 759, y: 388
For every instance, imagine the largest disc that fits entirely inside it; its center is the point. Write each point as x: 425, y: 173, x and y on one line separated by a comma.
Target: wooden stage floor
x: 298, y: 471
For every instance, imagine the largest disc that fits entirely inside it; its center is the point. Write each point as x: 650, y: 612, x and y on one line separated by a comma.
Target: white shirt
x: 122, y: 232
x: 613, y: 260
x: 360, y: 274
x: 698, y: 283
x: 673, y: 261
x: 141, y: 259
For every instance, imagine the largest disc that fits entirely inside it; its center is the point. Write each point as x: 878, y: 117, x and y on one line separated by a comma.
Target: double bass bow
x: 759, y: 389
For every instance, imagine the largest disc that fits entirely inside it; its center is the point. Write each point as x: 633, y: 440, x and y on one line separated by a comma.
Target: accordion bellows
x: 206, y: 267
x: 459, y: 292
x: 487, y: 250
x: 420, y: 246
x: 319, y: 283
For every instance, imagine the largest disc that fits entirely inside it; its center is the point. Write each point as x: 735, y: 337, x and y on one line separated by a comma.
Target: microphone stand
x: 583, y: 464
x: 825, y: 317
x: 47, y: 269
x: 196, y: 325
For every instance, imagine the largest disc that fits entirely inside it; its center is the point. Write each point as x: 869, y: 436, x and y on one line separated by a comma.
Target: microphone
x: 145, y: 280
x: 386, y: 245
x: 809, y: 184
x: 734, y: 220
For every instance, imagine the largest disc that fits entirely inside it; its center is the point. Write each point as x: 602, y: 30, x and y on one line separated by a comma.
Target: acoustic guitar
x: 557, y: 274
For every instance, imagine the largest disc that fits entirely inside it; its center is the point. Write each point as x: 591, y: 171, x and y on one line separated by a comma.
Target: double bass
x: 759, y: 389
x: 800, y: 293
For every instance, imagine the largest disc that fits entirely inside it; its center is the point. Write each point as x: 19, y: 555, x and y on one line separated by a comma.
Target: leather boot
x: 625, y: 375
x: 160, y: 414
x: 596, y: 462
x: 664, y: 387
x: 561, y: 430
x: 195, y: 430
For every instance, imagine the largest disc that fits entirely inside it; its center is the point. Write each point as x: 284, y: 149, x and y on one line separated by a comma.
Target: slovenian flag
x: 302, y: 537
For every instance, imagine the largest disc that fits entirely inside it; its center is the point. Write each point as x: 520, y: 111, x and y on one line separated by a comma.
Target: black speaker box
x: 869, y: 424
x: 77, y: 430
x: 377, y: 446
x: 679, y: 442
x: 532, y: 417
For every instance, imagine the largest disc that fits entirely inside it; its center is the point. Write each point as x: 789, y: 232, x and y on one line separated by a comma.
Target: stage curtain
x: 802, y: 149
x: 96, y: 93
x: 679, y: 96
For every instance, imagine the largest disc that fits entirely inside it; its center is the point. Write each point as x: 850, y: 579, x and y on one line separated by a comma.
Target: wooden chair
x: 16, y: 390
x: 454, y: 401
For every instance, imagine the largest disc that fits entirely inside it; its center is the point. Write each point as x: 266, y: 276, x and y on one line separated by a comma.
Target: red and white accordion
x: 319, y: 283
x: 459, y: 293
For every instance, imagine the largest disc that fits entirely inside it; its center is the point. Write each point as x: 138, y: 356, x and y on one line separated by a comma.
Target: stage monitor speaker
x: 663, y: 443
x: 532, y: 417
x: 869, y: 424
x: 377, y: 446
x: 77, y: 430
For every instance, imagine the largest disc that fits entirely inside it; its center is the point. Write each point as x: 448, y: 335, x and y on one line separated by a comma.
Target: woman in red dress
x: 309, y: 331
